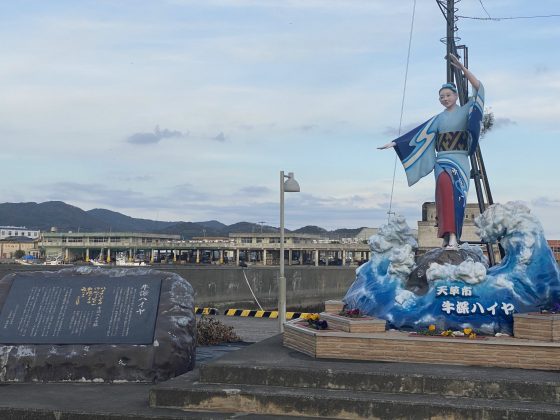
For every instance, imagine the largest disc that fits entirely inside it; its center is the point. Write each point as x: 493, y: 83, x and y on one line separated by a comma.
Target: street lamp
x: 286, y: 185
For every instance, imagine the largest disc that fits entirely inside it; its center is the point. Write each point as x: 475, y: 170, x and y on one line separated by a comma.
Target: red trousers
x: 445, y: 206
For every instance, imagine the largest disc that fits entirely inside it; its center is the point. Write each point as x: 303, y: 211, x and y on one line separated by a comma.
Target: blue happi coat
x: 417, y: 150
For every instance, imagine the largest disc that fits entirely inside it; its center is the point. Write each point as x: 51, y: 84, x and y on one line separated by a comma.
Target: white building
x: 18, y: 231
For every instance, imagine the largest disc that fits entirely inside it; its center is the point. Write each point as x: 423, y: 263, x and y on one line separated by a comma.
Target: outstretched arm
x: 475, y: 83
x: 388, y: 145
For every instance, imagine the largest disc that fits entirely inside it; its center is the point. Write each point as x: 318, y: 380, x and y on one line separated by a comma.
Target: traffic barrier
x: 206, y: 311
x: 262, y: 314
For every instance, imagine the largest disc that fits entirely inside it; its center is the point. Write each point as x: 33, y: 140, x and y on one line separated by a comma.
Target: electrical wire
x: 486, y: 11
x: 402, y: 109
x: 508, y: 18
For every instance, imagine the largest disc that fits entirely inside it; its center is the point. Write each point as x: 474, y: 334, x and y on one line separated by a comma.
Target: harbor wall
x: 226, y: 287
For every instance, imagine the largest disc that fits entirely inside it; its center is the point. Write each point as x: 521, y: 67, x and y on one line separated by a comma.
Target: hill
x: 45, y: 215
x: 122, y: 223
x: 66, y: 218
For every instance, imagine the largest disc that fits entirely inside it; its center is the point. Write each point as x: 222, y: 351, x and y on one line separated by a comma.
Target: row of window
x: 18, y: 233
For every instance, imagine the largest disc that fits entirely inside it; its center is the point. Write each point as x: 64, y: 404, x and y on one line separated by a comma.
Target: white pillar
x: 316, y: 253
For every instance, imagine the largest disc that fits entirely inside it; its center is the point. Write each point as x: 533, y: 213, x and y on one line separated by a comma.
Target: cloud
x: 97, y: 194
x: 255, y: 191
x: 155, y: 137
x: 503, y: 122
x: 220, y: 137
x: 394, y: 131
x: 187, y: 193
x: 546, y: 202
x: 139, y: 178
x: 541, y: 68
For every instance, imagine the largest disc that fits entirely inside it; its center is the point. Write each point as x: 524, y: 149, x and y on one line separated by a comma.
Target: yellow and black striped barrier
x: 262, y: 314
x: 206, y: 311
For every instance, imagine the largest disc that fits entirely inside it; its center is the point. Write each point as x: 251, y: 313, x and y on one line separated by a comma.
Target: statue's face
x: 447, y: 98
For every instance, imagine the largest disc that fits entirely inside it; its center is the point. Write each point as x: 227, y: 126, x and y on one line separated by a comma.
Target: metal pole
x: 282, y: 280
x: 450, y: 37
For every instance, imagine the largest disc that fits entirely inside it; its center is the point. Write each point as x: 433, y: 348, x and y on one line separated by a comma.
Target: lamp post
x: 286, y: 185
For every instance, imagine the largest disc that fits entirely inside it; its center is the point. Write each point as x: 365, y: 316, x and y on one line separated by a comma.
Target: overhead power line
x: 508, y: 18
x: 389, y: 212
x: 486, y: 11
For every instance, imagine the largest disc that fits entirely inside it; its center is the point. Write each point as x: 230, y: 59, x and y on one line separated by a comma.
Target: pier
x: 238, y: 249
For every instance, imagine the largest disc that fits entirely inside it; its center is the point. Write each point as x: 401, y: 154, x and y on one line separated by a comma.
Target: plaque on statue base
x: 537, y: 326
x: 94, y: 324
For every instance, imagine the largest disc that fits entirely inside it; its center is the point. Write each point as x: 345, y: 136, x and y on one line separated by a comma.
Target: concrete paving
x: 62, y: 401
x: 71, y: 401
x: 251, y: 330
x: 269, y: 378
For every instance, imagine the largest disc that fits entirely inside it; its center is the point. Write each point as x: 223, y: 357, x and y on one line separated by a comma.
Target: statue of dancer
x: 444, y: 144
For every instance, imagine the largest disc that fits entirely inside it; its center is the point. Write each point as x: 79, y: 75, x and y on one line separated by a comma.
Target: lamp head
x: 291, y: 185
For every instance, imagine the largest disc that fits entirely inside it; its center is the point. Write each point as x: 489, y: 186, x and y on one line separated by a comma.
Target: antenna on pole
x: 478, y: 170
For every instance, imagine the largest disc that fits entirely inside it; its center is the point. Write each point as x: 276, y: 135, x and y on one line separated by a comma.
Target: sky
x: 188, y: 110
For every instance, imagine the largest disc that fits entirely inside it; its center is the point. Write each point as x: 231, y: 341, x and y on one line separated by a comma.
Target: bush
x: 19, y: 254
x: 210, y: 331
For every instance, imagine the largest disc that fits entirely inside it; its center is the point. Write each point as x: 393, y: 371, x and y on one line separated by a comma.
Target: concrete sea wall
x: 226, y: 287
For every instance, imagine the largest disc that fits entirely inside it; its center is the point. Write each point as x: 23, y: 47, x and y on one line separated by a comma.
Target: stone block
x: 334, y: 306
x: 170, y: 350
x: 366, y: 324
x: 397, y: 346
x: 537, y: 326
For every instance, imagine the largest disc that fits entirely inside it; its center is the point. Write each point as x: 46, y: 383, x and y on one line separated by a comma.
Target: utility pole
x: 450, y: 10
x: 478, y: 170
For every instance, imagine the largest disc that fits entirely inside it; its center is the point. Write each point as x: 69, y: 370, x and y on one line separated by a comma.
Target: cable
x: 402, y: 108
x: 247, y: 280
x: 486, y: 11
x: 508, y: 18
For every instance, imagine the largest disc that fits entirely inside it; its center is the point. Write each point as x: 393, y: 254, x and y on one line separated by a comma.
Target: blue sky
x: 188, y: 110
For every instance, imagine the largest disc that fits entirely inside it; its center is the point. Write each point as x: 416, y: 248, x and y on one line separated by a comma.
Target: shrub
x: 210, y: 331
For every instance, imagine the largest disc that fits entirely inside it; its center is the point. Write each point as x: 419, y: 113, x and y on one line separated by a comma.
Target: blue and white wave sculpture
x: 460, y: 296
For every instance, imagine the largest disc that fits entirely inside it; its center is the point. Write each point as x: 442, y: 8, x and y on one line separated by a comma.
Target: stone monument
x: 95, y: 324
